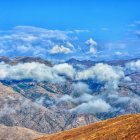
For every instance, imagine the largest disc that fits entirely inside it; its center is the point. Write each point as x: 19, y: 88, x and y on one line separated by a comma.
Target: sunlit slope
x: 125, y: 127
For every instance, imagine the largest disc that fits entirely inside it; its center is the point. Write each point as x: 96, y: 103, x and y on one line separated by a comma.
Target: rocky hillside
x: 49, y: 99
x: 17, y: 133
x: 17, y: 110
x: 121, y: 128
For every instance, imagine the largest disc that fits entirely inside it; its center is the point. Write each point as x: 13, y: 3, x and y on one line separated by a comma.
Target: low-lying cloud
x: 65, y: 69
x: 80, y: 88
x: 92, y: 107
x: 34, y: 70
x: 133, y: 66
x: 103, y: 73
x: 85, y: 101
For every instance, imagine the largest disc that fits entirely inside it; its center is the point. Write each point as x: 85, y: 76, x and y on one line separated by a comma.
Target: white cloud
x: 84, y: 97
x: 69, y: 44
x: 33, y: 41
x: 65, y: 69
x: 42, y: 32
x: 91, y: 43
x: 93, y: 107
x: 35, y: 71
x: 92, y: 50
x: 134, y: 65
x: 60, y: 49
x: 103, y: 73
x: 80, y: 88
x: 92, y: 46
x: 41, y: 42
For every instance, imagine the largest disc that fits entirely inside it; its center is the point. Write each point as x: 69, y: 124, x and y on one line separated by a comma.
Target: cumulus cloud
x: 92, y: 107
x: 41, y: 42
x: 87, y: 104
x: 65, y: 69
x: 80, y: 93
x: 134, y: 65
x: 103, y: 73
x: 92, y: 46
x: 91, y: 43
x: 60, y: 49
x: 33, y: 41
x: 82, y: 97
x: 110, y: 99
x: 35, y: 71
x: 92, y: 50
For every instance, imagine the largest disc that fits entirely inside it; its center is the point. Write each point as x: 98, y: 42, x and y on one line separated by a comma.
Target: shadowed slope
x: 125, y: 127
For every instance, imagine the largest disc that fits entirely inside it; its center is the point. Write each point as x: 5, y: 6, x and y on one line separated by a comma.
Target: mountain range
x: 48, y: 98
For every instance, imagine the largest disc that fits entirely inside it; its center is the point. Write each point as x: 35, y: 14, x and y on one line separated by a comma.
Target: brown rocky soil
x: 125, y: 127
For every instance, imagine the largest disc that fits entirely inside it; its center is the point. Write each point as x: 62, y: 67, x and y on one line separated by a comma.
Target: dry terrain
x: 125, y: 127
x: 17, y: 133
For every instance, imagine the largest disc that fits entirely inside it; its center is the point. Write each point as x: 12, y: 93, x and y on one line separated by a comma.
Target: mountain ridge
x: 104, y: 130
x: 24, y: 59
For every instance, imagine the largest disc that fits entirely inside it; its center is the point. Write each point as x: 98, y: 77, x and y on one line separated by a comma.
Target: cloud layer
x: 108, y: 99
x: 103, y: 73
x: 34, y: 41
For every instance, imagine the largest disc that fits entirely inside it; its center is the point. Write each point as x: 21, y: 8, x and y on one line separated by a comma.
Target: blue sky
x: 107, y: 20
x: 70, y: 14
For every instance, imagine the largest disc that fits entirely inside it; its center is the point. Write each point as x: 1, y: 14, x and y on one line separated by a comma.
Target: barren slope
x: 17, y: 133
x: 121, y: 128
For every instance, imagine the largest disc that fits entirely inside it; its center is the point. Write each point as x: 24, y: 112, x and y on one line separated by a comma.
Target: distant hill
x: 27, y: 59
x: 125, y: 127
x: 89, y: 63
